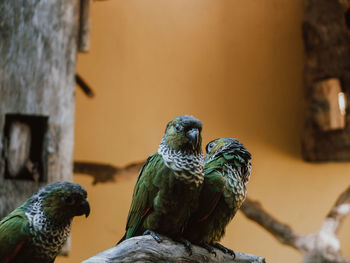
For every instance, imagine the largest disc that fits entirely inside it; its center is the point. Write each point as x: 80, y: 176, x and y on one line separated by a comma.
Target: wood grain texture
x: 146, y: 249
x: 37, y: 65
x: 18, y: 149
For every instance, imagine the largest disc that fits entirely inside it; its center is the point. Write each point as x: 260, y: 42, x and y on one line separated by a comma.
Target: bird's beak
x: 193, y: 136
x: 84, y: 208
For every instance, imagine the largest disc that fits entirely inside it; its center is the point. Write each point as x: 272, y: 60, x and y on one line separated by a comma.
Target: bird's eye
x: 210, y: 146
x: 69, y: 200
x: 178, y: 127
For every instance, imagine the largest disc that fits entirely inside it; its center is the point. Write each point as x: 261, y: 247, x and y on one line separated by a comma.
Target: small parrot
x: 226, y: 172
x: 36, y: 231
x: 169, y: 183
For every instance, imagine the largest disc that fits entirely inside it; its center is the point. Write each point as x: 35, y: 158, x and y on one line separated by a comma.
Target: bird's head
x: 184, y: 133
x: 227, y: 151
x: 64, y: 200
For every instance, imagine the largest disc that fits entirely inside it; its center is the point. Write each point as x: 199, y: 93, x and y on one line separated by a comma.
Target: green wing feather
x: 14, y: 230
x: 212, y: 190
x: 144, y: 194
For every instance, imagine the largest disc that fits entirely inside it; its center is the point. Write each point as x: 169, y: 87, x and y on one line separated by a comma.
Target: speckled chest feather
x: 47, y: 238
x: 187, y: 167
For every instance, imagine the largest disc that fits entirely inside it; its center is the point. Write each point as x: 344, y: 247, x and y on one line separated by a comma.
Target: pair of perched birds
x: 181, y: 195
x: 178, y: 193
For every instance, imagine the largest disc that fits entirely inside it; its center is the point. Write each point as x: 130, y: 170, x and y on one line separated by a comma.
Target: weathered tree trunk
x: 146, y: 249
x: 38, y: 45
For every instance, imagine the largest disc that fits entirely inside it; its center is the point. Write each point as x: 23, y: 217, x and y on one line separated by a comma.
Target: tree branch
x: 146, y: 249
x: 254, y: 211
x: 103, y: 173
x: 84, y: 86
x: 320, y: 247
x: 339, y: 211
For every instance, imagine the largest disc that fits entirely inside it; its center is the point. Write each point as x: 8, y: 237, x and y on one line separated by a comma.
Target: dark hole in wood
x: 347, y: 18
x: 25, y: 144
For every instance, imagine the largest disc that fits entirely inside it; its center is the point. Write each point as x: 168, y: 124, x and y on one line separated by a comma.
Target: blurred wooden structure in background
x: 326, y: 33
x: 38, y: 47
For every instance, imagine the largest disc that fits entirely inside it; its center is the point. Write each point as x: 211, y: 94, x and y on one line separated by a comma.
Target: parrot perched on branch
x: 226, y: 172
x: 168, y: 185
x: 36, y: 231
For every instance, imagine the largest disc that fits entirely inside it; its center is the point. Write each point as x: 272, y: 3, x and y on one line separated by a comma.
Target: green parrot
x: 226, y: 172
x: 168, y: 185
x: 36, y: 231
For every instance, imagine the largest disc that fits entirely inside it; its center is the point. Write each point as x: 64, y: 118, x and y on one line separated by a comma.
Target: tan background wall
x: 236, y: 65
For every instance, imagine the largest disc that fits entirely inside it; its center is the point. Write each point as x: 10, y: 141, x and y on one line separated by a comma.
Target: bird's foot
x: 225, y: 250
x: 210, y: 249
x: 154, y: 235
x: 186, y: 243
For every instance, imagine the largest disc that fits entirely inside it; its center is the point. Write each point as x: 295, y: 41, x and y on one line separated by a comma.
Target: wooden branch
x: 84, y: 86
x: 320, y: 247
x: 254, y: 211
x: 103, y: 173
x: 340, y: 209
x: 146, y: 249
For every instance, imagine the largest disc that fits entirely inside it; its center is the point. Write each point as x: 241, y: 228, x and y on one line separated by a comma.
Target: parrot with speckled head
x: 36, y: 231
x: 227, y: 170
x: 169, y: 183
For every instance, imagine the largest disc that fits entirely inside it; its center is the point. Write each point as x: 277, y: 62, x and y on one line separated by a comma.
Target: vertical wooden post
x: 37, y: 65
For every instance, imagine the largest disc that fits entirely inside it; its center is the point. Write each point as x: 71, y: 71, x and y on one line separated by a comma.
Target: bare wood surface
x: 330, y: 113
x: 322, y: 246
x: 37, y: 64
x: 18, y: 148
x: 339, y: 211
x: 84, y: 26
x: 326, y: 37
x: 146, y: 249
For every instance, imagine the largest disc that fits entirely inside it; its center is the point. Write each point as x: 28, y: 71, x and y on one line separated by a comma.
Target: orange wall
x: 236, y: 65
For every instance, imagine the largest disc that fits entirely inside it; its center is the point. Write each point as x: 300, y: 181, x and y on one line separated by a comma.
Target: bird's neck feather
x: 187, y: 166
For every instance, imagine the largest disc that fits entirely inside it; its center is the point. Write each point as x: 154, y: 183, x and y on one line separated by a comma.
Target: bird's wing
x: 213, y: 188
x: 144, y: 193
x: 237, y: 173
x: 14, y: 232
